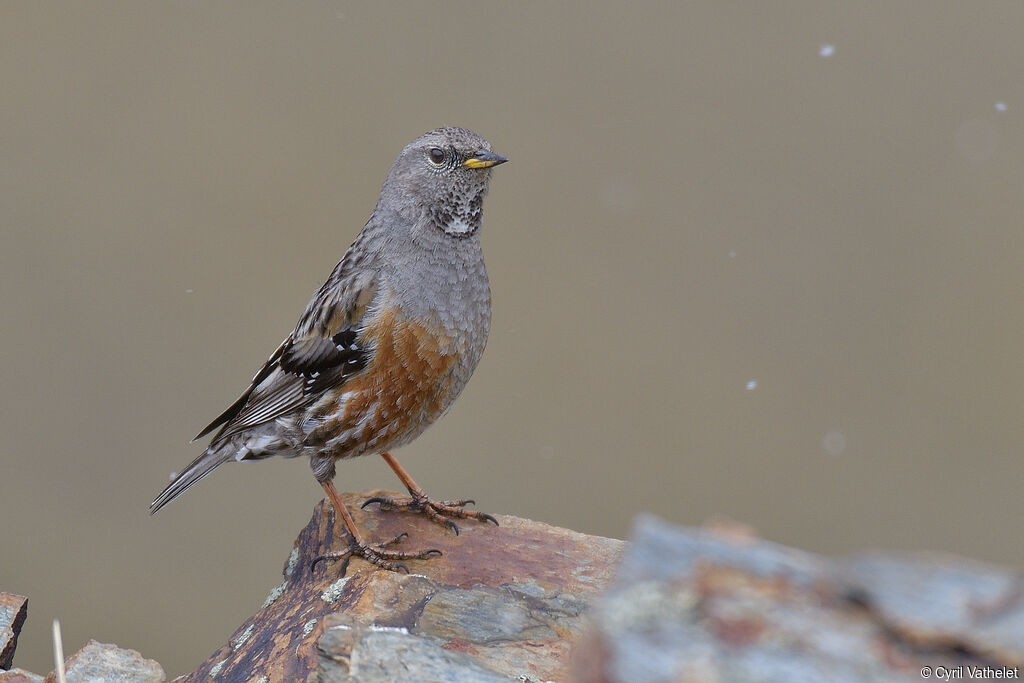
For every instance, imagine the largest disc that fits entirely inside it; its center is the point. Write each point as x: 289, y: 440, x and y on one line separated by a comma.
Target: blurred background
x: 753, y: 260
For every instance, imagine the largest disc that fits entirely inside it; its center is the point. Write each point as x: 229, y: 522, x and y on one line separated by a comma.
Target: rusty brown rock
x: 501, y: 602
x: 19, y: 676
x: 13, y: 611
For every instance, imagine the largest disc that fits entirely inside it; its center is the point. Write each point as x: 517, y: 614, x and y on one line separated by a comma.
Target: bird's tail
x: 207, y: 462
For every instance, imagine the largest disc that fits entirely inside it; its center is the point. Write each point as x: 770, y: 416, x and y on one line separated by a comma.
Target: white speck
x: 459, y: 226
x: 293, y: 560
x: 732, y: 254
x: 240, y: 640
x: 389, y: 629
x: 333, y: 591
x: 1000, y: 106
x: 751, y: 385
x: 262, y: 679
x: 834, y: 442
x: 275, y: 593
x: 215, y: 669
x: 189, y: 291
x: 826, y: 50
x: 547, y: 452
x: 307, y: 628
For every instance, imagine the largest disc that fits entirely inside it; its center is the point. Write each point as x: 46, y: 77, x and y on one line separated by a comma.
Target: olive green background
x: 734, y: 275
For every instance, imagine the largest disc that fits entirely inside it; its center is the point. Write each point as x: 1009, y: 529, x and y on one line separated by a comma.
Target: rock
x: 109, y: 664
x: 529, y: 602
x: 94, y: 662
x: 503, y: 603
x: 19, y: 676
x: 933, y: 600
x: 13, y: 610
x: 352, y: 652
x: 700, y: 604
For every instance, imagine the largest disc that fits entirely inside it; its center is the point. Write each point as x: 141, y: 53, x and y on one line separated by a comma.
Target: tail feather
x: 187, y: 478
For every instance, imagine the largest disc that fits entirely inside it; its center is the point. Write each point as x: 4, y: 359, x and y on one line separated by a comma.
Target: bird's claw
x: 437, y: 510
x: 376, y: 554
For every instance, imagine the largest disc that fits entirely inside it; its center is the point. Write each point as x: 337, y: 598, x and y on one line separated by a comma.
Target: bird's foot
x: 376, y: 553
x: 437, y: 510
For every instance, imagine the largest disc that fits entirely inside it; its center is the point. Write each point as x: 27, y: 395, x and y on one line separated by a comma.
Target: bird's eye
x: 437, y: 155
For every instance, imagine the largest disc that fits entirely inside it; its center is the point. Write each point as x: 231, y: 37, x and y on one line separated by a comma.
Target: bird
x: 384, y: 346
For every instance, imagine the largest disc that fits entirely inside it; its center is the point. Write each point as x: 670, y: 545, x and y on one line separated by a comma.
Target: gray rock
x: 705, y: 604
x: 662, y: 551
x: 111, y: 664
x: 356, y: 653
x: 933, y: 598
x: 481, y: 615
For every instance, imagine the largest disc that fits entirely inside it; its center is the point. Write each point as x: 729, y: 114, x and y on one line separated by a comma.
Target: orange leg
x: 437, y: 510
x: 376, y: 554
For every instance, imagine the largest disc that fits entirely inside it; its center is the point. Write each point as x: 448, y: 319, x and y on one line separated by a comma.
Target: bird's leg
x: 437, y: 510
x: 375, y: 553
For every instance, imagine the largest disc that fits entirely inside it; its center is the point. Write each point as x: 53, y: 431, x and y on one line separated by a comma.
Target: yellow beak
x: 484, y: 160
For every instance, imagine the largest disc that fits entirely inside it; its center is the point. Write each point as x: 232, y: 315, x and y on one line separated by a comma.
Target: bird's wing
x: 323, y: 351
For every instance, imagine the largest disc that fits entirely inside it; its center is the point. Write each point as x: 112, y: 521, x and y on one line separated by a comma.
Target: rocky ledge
x: 529, y: 602
x: 501, y: 601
